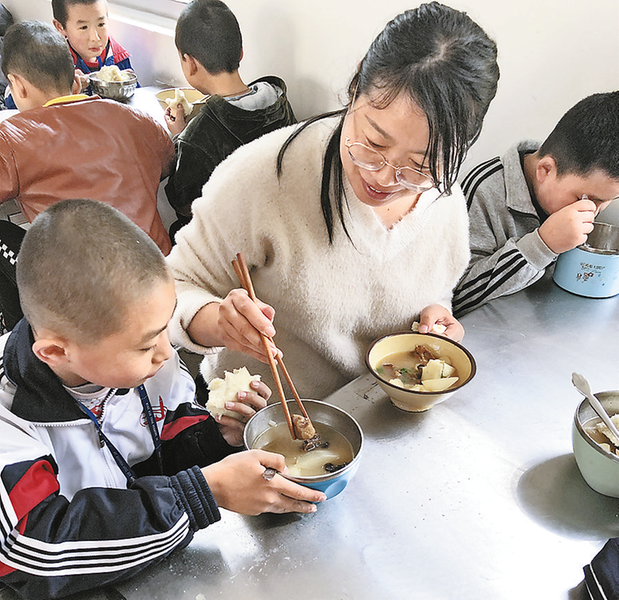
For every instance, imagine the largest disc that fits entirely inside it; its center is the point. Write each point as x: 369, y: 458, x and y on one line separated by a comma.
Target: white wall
x: 552, y: 53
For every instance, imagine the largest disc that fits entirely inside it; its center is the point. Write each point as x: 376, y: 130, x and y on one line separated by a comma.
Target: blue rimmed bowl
x: 331, y: 484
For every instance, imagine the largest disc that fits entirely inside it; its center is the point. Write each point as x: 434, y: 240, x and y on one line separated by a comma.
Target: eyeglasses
x: 367, y: 158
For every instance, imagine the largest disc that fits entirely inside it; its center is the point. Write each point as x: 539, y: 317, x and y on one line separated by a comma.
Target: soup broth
x: 419, y: 370
x: 301, y: 463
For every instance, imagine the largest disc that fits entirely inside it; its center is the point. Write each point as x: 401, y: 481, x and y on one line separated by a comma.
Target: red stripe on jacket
x: 37, y: 483
x: 172, y: 429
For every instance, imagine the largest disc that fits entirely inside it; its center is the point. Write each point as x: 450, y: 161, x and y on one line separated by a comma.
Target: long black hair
x: 444, y: 62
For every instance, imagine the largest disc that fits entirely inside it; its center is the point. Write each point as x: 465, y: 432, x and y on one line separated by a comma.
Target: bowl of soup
x: 419, y: 370
x: 595, y: 450
x: 327, y: 467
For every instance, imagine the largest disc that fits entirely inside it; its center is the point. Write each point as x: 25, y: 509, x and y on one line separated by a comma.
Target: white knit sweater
x: 330, y: 301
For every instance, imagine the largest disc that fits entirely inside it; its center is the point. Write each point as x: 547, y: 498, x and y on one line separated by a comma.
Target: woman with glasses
x: 351, y: 223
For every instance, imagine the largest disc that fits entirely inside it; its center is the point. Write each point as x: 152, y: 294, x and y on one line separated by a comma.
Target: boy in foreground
x: 107, y: 462
x: 210, y: 47
x: 537, y: 202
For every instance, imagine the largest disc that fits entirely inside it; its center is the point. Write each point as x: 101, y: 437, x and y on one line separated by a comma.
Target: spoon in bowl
x: 582, y: 385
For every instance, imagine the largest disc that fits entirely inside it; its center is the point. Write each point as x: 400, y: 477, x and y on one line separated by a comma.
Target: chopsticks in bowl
x: 242, y: 271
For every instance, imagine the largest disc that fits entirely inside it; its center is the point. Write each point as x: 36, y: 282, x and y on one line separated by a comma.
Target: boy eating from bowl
x: 232, y: 113
x: 108, y: 464
x: 83, y: 23
x: 538, y: 201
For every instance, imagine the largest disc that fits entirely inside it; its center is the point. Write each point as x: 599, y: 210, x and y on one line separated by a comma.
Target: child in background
x: 209, y: 43
x: 108, y: 464
x: 536, y: 202
x: 84, y: 25
x: 62, y: 144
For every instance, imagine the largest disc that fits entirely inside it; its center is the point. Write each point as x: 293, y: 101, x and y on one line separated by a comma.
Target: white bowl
x: 410, y: 400
x: 600, y: 469
x: 191, y: 94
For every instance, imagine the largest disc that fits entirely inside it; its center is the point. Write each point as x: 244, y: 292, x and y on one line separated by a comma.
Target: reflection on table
x: 479, y: 498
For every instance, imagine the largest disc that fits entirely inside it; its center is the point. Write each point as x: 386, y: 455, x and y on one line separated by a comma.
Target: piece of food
x: 303, y: 428
x: 225, y: 390
x: 113, y: 73
x: 418, y: 370
x: 436, y: 328
x: 603, y: 429
x: 179, y: 99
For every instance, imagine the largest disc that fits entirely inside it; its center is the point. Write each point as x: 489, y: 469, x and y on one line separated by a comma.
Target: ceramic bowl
x: 191, y: 94
x: 410, y: 400
x: 319, y: 412
x: 599, y: 468
x: 114, y: 90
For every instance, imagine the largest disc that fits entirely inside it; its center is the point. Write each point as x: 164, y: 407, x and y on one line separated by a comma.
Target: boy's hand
x: 80, y: 82
x: 175, y: 119
x: 568, y: 227
x: 436, y: 314
x: 248, y: 403
x: 237, y: 484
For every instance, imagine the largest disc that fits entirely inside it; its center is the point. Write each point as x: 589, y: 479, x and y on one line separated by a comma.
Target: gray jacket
x: 507, y: 253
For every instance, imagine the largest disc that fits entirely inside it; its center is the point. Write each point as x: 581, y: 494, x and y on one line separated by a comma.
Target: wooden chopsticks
x: 242, y: 272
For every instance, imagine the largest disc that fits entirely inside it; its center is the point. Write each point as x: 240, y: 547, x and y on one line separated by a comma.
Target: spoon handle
x: 583, y: 387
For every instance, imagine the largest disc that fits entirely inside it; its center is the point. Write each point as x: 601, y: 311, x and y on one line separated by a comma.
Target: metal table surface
x: 478, y: 498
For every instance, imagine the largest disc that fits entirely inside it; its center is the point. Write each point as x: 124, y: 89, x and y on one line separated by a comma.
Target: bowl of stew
x: 330, y: 465
x: 419, y: 370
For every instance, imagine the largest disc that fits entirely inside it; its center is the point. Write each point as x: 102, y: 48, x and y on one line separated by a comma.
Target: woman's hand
x: 236, y: 323
x: 247, y: 404
x: 237, y: 484
x: 436, y: 314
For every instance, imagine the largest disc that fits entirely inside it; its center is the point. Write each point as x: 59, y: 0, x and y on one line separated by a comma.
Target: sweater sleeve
x: 499, y: 265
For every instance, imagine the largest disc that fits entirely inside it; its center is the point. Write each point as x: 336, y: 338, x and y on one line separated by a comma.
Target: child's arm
x: 505, y: 258
x: 53, y: 547
x: 196, y: 159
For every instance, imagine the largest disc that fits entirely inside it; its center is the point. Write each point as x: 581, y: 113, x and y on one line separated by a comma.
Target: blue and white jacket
x: 69, y: 520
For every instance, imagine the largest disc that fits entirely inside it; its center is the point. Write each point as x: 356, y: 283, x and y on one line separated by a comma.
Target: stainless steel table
x: 479, y: 498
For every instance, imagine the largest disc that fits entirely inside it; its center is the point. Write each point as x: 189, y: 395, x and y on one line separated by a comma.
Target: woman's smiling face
x: 399, y: 132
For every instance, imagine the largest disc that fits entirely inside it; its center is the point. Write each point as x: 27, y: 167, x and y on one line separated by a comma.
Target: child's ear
x: 192, y: 64
x: 59, y: 27
x: 546, y: 167
x: 19, y: 86
x: 50, y: 350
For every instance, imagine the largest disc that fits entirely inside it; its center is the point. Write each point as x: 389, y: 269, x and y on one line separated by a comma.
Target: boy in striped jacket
x: 107, y: 462
x: 537, y: 201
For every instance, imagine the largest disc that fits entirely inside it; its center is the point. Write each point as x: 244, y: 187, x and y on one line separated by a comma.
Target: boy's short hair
x: 586, y: 138
x: 37, y: 52
x: 60, y: 9
x: 208, y: 31
x: 81, y: 265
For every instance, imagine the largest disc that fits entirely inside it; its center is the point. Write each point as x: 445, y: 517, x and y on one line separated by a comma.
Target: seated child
x: 209, y: 43
x: 64, y: 145
x: 536, y: 202
x: 108, y: 464
x: 83, y: 23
